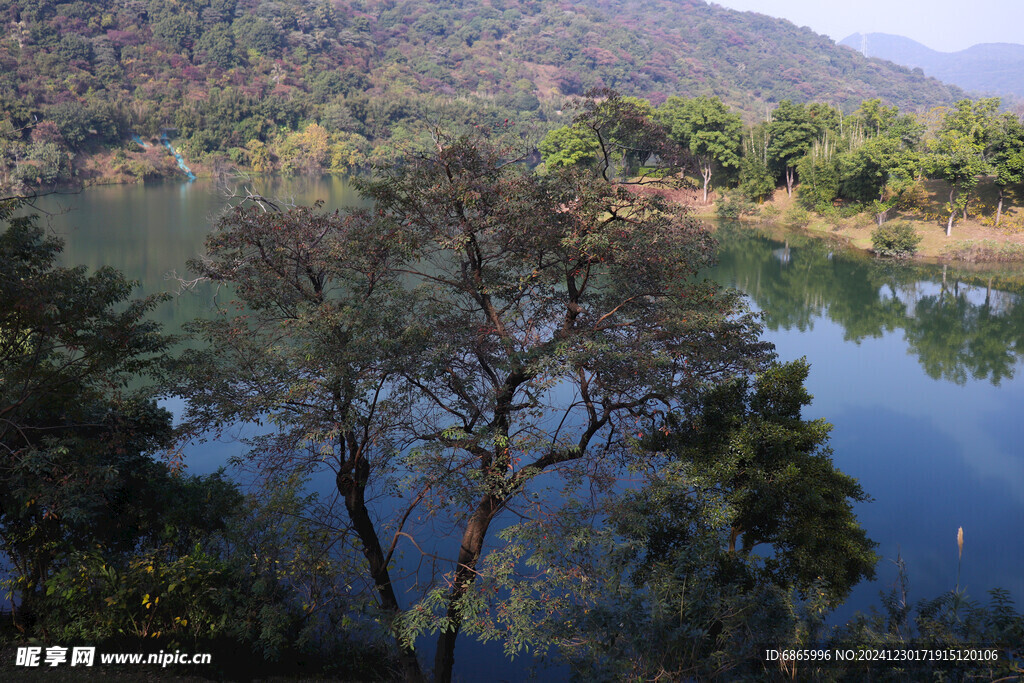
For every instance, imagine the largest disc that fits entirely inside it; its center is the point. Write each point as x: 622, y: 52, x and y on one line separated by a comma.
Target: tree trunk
x: 351, y: 483
x: 952, y: 212
x: 469, y: 554
x: 706, y: 172
x: 999, y: 207
x: 790, y: 173
x: 733, y: 535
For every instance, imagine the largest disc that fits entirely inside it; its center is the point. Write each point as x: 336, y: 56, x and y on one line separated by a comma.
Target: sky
x: 944, y: 25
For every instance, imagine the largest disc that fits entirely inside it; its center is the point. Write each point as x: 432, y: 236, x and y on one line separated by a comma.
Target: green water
x: 149, y: 232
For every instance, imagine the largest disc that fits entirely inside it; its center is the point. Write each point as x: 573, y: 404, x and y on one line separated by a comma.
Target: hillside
x: 226, y: 76
x: 989, y: 68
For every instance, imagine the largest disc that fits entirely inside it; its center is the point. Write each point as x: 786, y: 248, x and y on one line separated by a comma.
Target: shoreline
x: 971, y: 241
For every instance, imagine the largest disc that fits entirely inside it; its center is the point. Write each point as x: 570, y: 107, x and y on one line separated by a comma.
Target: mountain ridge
x: 985, y: 68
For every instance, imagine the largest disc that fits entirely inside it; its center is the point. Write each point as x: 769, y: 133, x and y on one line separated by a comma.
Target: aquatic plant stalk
x: 959, y: 555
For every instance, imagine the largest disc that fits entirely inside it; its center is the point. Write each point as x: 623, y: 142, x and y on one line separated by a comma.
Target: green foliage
x: 262, y: 586
x: 791, y: 132
x: 958, y: 152
x: 776, y: 474
x: 98, y: 121
x: 895, y: 238
x: 1006, y: 151
x: 629, y: 137
x: 735, y: 205
x: 707, y: 128
x: 255, y: 34
x: 176, y: 30
x: 45, y: 163
x: 574, y: 145
x: 819, y: 178
x: 667, y: 584
x: 217, y: 47
x: 756, y: 180
x: 74, y: 472
x: 613, y: 610
x: 878, y: 167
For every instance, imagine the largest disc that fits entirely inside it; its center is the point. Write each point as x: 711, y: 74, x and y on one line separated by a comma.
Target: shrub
x: 830, y: 214
x: 770, y: 213
x: 895, y: 238
x: 797, y: 217
x: 734, y: 205
x: 851, y: 210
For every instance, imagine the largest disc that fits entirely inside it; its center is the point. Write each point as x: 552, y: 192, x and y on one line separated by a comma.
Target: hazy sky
x: 945, y: 25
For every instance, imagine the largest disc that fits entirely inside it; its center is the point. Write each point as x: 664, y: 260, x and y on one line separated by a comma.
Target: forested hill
x: 232, y: 74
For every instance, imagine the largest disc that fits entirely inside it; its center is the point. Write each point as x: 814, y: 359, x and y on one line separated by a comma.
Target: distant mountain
x: 989, y: 68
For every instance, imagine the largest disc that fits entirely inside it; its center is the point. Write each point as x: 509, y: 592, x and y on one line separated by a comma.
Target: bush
x: 770, y: 213
x: 851, y: 210
x: 830, y: 214
x: 797, y: 217
x: 734, y: 205
x: 895, y: 238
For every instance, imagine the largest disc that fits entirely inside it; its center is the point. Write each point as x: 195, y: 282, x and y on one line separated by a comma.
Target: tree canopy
x: 486, y: 342
x: 791, y: 132
x: 708, y: 129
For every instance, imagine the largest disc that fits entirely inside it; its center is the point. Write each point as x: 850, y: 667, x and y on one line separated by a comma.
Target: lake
x: 918, y: 367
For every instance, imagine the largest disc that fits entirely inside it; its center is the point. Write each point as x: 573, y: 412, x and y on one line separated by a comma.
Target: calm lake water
x: 917, y: 367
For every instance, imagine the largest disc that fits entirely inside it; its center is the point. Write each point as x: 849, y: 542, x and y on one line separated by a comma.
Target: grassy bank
x: 976, y: 239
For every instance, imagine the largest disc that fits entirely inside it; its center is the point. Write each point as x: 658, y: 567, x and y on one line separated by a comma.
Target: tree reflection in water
x: 959, y: 323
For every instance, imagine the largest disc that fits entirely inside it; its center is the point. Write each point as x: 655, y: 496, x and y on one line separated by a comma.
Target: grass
x: 974, y: 240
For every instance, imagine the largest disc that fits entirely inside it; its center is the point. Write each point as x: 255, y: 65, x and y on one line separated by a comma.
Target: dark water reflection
x: 918, y: 368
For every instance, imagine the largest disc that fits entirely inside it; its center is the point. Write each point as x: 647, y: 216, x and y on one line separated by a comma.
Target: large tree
x: 958, y: 152
x: 76, y: 427
x: 791, y: 132
x: 326, y: 329
x: 706, y: 127
x: 879, y: 170
x: 1006, y: 150
x: 480, y: 327
x: 741, y: 525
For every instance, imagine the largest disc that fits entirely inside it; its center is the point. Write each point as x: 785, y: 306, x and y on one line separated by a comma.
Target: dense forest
x: 290, y: 86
